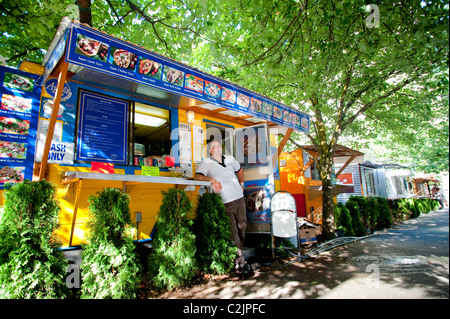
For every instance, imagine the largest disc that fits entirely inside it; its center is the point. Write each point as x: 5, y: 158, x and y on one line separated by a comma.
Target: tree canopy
x: 371, y: 75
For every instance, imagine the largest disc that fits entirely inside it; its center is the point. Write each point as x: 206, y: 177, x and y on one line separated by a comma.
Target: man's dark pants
x: 238, y: 217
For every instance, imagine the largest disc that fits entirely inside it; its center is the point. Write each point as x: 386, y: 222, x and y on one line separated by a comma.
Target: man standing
x: 221, y: 171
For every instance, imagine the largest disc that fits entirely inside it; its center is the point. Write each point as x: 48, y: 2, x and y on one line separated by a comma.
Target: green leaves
x: 110, y: 265
x: 172, y: 261
x: 110, y: 215
x: 30, y: 264
x: 215, y: 249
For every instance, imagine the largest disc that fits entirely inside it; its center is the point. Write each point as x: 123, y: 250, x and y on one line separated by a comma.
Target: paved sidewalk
x: 409, y: 261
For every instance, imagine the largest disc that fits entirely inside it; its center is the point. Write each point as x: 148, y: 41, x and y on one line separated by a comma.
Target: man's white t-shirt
x: 225, y: 174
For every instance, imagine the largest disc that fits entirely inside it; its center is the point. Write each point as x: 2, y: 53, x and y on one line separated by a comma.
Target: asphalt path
x: 408, y: 261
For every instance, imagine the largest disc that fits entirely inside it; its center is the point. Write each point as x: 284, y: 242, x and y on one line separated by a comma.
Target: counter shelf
x: 72, y: 177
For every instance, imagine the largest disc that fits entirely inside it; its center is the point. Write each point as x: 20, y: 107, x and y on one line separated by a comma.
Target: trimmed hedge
x: 357, y: 224
x: 406, y: 208
x: 343, y: 220
x: 368, y: 214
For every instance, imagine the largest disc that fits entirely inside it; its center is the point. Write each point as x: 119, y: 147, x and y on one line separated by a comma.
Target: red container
x: 170, y: 161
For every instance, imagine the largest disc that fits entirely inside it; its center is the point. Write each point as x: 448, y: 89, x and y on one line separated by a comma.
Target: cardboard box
x: 307, y: 236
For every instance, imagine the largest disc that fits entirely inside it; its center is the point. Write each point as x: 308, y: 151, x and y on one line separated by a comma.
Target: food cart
x: 108, y: 113
x: 300, y: 176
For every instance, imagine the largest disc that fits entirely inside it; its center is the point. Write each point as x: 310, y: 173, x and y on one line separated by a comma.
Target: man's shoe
x: 246, y: 270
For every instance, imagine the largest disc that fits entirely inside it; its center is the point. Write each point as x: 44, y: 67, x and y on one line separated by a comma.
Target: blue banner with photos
x: 98, y: 51
x: 19, y: 110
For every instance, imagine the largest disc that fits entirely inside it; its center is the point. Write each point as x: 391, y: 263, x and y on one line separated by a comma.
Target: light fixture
x: 190, y: 115
x: 148, y: 120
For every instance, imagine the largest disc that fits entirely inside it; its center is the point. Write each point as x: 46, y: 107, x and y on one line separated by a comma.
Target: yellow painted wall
x: 144, y: 198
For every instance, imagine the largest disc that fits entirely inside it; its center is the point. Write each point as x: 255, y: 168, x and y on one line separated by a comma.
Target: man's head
x: 215, y: 149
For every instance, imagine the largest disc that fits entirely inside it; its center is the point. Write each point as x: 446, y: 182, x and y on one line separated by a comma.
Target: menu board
x: 18, y: 124
x: 98, y: 51
x: 103, y: 127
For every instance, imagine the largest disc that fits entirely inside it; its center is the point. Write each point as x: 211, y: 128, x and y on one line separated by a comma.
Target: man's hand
x: 217, y: 186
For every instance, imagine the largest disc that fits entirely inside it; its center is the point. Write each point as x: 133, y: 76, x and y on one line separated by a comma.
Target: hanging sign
x: 98, y: 51
x: 19, y: 111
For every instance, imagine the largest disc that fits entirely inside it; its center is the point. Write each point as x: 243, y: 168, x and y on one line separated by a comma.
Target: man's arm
x: 217, y: 186
x: 240, y: 175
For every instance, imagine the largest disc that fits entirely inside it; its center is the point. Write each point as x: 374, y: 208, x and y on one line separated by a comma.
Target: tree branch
x: 21, y: 54
x: 370, y: 104
x: 280, y: 40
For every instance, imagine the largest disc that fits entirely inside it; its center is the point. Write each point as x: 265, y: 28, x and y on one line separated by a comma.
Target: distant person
x: 440, y: 198
x: 434, y: 191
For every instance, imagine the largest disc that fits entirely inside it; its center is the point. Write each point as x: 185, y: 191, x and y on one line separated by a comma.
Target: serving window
x: 150, y: 136
x: 120, y: 131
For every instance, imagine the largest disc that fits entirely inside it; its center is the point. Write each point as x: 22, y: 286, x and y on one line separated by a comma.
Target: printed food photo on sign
x: 11, y: 174
x: 122, y: 58
x: 14, y: 126
x: 212, y: 89
x: 150, y: 68
x: 267, y: 108
x: 242, y: 100
x: 173, y: 76
x: 20, y: 82
x: 194, y: 83
x: 228, y: 95
x: 295, y: 119
x: 91, y: 48
x: 304, y: 122
x: 255, y: 105
x: 286, y: 116
x: 13, y: 150
x: 16, y: 103
x: 277, y: 112
x: 257, y: 200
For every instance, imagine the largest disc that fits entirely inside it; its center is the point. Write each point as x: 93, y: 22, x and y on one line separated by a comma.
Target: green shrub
x: 364, y: 210
x: 357, y: 225
x: 408, y: 208
x: 375, y: 212
x: 405, y: 208
x: 172, y: 260
x: 110, y: 266
x: 215, y: 249
x: 400, y: 209
x: 31, y: 266
x: 434, y: 204
x: 343, y: 219
x: 372, y: 212
x: 425, y: 205
x: 384, y: 216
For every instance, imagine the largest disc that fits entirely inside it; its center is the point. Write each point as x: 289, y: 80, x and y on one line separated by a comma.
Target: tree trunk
x: 85, y: 11
x: 328, y: 226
